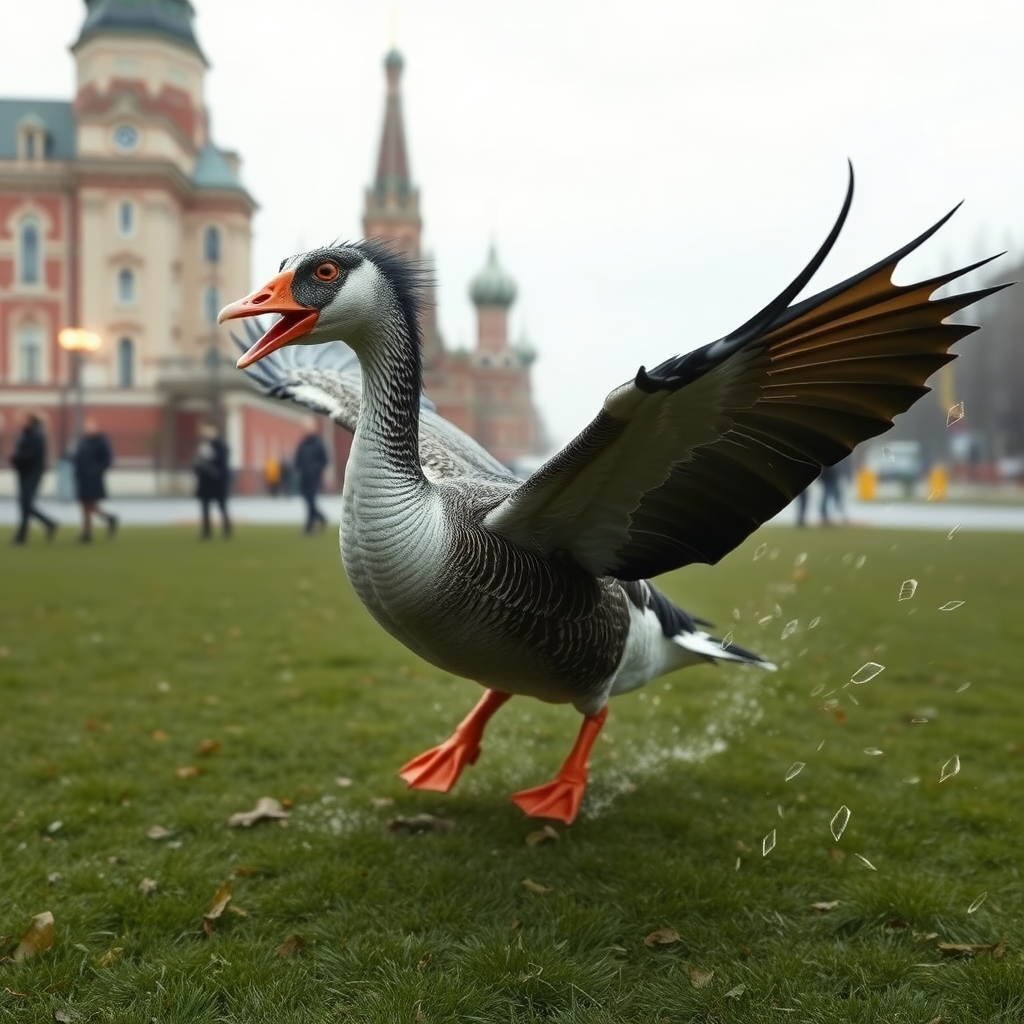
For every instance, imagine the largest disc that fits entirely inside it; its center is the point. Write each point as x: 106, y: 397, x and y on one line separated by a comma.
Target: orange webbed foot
x: 440, y: 767
x: 560, y: 798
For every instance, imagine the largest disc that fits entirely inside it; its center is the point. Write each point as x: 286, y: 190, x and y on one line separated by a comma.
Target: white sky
x: 653, y: 171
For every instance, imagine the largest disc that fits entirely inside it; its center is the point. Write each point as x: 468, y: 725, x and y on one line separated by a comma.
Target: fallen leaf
x: 421, y: 823
x: 266, y: 807
x: 531, y: 886
x: 742, y: 846
x: 424, y: 960
x: 16, y: 995
x: 221, y: 899
x: 37, y: 939
x: 964, y: 949
x: 54, y: 877
x: 148, y: 886
x: 291, y: 946
x: 823, y: 905
x: 543, y: 835
x: 159, y: 736
x: 516, y: 924
x: 896, y: 923
x: 111, y: 956
x: 661, y: 937
x: 1000, y: 951
x: 699, y: 978
x: 157, y: 833
x: 245, y: 871
x: 66, y: 1017
x: 237, y: 911
x: 418, y: 1017
x: 735, y: 993
x: 923, y: 938
x: 189, y: 771
x: 208, y: 747
x: 837, y: 855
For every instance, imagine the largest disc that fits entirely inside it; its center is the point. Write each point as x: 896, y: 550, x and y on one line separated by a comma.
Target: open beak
x: 274, y: 297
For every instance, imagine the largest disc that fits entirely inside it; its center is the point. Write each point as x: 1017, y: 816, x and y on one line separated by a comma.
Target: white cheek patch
x: 358, y: 304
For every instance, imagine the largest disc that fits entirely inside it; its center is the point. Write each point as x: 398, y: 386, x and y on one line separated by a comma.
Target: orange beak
x: 274, y: 297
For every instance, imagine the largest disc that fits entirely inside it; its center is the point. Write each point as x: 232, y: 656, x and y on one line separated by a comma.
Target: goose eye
x: 326, y: 272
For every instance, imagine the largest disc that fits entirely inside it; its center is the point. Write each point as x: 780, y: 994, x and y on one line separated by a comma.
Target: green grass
x: 118, y: 661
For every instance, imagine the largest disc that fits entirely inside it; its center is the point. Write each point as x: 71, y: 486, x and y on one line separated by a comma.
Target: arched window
x: 126, y: 363
x: 126, y: 219
x: 30, y: 360
x: 211, y: 245
x: 30, y: 146
x: 125, y: 286
x: 30, y: 255
x: 211, y: 303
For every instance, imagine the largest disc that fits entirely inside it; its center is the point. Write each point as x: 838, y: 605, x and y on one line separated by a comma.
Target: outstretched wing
x: 686, y: 461
x: 326, y: 379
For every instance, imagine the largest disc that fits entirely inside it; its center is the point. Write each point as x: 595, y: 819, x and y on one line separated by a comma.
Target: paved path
x: 291, y: 511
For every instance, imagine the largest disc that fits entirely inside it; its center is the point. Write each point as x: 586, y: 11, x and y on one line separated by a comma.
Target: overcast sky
x: 652, y: 171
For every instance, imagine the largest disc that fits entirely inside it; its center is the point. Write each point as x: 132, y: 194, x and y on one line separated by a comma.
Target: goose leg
x: 561, y: 797
x: 440, y: 767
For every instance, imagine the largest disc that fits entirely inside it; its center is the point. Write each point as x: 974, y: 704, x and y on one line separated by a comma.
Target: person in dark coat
x: 92, y: 459
x: 213, y: 476
x: 310, y: 462
x: 29, y: 461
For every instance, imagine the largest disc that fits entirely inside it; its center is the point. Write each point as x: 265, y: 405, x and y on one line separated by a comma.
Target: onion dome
x: 493, y: 286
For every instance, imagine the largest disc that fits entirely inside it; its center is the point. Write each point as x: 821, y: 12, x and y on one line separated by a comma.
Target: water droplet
x: 839, y: 822
x: 866, y: 672
x: 853, y: 700
x: 782, y: 813
x: 759, y: 553
x: 727, y: 640
x: 950, y: 606
x: 795, y: 769
x: 829, y: 705
x: 888, y: 454
x: 873, y: 751
x: 962, y: 687
x: 774, y: 554
x: 861, y: 559
x: 820, y: 688
x: 848, y: 558
x: 800, y: 559
x: 908, y: 589
x: 955, y: 414
x: 911, y: 780
x: 738, y: 863
x: 919, y: 721
x: 736, y: 614
x: 814, y: 622
x: 820, y: 745
x: 790, y: 628
x: 952, y: 533
x: 778, y: 611
x: 768, y: 843
x: 950, y: 768
x: 765, y: 619
x: 865, y: 861
x: 978, y: 902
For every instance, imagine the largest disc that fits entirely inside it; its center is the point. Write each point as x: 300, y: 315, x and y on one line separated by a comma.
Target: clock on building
x: 126, y: 137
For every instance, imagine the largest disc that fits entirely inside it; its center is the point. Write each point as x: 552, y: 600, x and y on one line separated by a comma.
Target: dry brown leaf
x: 37, y: 939
x: 699, y: 978
x: 245, y: 871
x: 661, y: 937
x: 148, y: 886
x: 421, y: 823
x: 923, y: 938
x: 208, y: 747
x: 535, y: 887
x: 896, y: 923
x: 543, y: 835
x: 266, y: 807
x: 424, y: 960
x: 417, y: 1017
x: 111, y: 956
x: 823, y: 905
x: 221, y: 898
x: 189, y: 771
x: 1000, y: 951
x: 157, y: 833
x: 964, y: 949
x: 742, y: 846
x: 16, y: 995
x: 291, y: 946
x: 516, y: 924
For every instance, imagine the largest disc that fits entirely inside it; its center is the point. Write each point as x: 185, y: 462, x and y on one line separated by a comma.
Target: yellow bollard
x: 867, y: 484
x: 938, y: 483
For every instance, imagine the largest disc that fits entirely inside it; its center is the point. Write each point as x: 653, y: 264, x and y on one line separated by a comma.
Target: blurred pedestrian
x: 831, y: 494
x: 272, y: 475
x: 92, y: 458
x: 310, y: 462
x: 29, y: 461
x: 213, y: 477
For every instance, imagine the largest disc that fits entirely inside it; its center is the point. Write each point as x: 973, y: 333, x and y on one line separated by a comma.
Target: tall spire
x: 392, y: 210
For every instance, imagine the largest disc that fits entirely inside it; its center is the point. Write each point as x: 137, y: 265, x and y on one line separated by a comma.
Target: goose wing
x: 687, y: 460
x: 326, y: 380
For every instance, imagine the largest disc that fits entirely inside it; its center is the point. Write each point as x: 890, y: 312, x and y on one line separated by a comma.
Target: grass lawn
x: 157, y: 681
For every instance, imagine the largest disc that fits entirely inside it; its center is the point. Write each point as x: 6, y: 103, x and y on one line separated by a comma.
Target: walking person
x: 272, y: 475
x: 29, y: 461
x: 310, y: 462
x: 92, y: 458
x: 213, y: 477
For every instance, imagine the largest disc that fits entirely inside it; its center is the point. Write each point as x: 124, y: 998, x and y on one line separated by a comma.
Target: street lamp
x: 77, y: 341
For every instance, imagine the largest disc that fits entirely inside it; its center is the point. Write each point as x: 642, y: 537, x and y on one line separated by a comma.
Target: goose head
x: 349, y: 293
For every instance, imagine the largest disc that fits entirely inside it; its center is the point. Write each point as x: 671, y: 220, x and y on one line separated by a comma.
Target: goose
x: 540, y: 587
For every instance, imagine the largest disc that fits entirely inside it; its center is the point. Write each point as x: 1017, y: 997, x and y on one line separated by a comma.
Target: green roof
x: 56, y: 118
x: 169, y: 19
x: 212, y: 170
x: 493, y: 286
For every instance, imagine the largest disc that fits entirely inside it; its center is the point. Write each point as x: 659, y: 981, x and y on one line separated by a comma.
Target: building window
x: 30, y: 146
x: 126, y: 219
x: 125, y: 287
x: 211, y: 304
x: 126, y: 363
x: 29, y: 253
x: 30, y: 361
x: 211, y: 245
